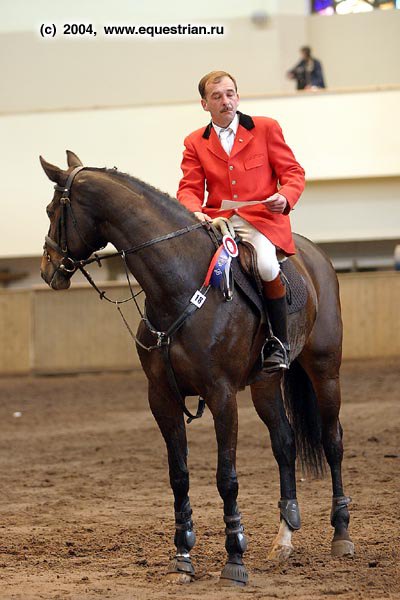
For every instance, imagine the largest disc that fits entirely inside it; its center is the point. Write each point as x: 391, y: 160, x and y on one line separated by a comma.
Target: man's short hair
x: 306, y: 50
x: 214, y: 77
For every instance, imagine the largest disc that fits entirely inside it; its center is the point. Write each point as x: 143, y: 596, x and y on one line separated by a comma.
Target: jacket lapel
x: 242, y: 138
x: 214, y: 146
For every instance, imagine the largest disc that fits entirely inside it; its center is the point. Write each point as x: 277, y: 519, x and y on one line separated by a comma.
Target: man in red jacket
x: 244, y: 159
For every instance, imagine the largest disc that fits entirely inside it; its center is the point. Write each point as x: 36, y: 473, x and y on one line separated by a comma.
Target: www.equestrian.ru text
x: 87, y: 29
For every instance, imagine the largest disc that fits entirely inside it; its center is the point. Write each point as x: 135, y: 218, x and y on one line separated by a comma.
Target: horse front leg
x: 268, y: 402
x: 170, y: 420
x: 224, y: 411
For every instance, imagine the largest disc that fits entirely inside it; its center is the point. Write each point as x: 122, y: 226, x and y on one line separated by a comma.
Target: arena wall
x: 72, y: 331
x: 16, y: 327
x: 370, y: 312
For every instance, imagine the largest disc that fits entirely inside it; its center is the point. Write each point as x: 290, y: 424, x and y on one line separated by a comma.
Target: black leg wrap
x: 339, y: 505
x: 290, y: 513
x: 236, y: 544
x: 185, y: 537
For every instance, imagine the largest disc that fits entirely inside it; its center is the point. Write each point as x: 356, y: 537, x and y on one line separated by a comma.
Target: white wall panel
x: 334, y: 136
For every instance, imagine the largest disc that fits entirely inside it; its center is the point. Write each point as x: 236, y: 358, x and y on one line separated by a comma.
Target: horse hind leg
x: 268, y: 401
x: 170, y: 420
x: 324, y: 376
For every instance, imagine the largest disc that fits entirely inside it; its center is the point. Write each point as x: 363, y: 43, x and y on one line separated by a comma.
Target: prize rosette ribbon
x: 221, y: 262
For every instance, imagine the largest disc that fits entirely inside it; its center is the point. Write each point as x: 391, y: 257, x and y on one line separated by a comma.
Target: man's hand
x: 202, y: 216
x: 276, y: 203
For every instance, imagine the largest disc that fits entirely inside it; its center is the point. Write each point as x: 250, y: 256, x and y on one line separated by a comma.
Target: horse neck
x: 170, y: 271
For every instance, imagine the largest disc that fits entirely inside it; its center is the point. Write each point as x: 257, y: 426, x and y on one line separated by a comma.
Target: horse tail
x: 304, y: 417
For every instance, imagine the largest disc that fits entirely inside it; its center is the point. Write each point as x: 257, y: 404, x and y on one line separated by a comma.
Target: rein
x: 71, y: 265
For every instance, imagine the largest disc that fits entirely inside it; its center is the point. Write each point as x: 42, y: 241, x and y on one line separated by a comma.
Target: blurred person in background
x: 308, y: 72
x: 243, y: 158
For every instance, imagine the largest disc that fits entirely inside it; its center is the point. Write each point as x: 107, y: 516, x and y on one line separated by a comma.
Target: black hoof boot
x: 181, y: 569
x: 234, y: 572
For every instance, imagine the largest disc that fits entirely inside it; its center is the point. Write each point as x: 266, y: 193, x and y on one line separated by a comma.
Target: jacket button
x: 233, y: 181
x: 235, y: 196
x: 231, y: 167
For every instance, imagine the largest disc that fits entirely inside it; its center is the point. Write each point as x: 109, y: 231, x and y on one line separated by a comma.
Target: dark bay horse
x: 214, y: 350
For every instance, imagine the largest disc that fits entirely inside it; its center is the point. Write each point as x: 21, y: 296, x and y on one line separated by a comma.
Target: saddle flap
x: 248, y: 262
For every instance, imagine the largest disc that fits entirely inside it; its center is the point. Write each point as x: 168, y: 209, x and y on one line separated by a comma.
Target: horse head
x: 73, y: 234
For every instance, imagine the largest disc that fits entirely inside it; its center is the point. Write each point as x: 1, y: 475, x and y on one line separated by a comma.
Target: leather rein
x: 71, y: 265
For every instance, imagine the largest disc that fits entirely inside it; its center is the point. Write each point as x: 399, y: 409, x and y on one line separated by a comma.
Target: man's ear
x: 204, y: 104
x: 53, y: 173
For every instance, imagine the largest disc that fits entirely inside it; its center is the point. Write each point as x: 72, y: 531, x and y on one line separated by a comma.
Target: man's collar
x: 244, y: 120
x: 234, y: 124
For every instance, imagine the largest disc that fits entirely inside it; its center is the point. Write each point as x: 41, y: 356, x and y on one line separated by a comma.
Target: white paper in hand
x: 231, y: 204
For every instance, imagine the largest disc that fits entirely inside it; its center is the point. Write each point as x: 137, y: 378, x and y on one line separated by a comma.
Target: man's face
x: 221, y: 101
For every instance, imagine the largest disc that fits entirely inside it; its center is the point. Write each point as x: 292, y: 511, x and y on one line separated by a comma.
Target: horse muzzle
x: 57, y: 277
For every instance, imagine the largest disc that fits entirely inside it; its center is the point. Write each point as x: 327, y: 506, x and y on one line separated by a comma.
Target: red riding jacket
x: 260, y: 160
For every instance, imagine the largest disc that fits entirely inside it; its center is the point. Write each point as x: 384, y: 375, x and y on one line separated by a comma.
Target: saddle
x: 248, y: 280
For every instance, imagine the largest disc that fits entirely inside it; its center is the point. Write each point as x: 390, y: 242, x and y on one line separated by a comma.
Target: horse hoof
x: 234, y: 575
x: 342, y: 548
x: 280, y: 553
x: 179, y: 578
x: 180, y: 570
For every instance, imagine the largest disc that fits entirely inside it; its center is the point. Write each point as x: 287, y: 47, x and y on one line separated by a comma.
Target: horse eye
x: 50, y: 212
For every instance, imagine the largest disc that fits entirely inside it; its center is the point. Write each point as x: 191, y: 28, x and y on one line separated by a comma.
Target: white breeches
x: 267, y: 262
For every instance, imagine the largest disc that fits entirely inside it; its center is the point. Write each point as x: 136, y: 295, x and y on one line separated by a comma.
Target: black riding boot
x: 276, y: 348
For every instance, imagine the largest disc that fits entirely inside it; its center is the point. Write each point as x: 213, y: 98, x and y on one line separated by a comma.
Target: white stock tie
x: 227, y: 138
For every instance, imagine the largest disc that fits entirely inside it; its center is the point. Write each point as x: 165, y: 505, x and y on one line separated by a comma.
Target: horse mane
x: 141, y: 187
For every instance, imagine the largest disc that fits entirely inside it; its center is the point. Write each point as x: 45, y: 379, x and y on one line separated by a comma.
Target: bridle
x: 68, y: 264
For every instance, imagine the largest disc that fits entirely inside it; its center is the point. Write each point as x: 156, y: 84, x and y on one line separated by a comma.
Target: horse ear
x: 73, y: 160
x: 53, y: 173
